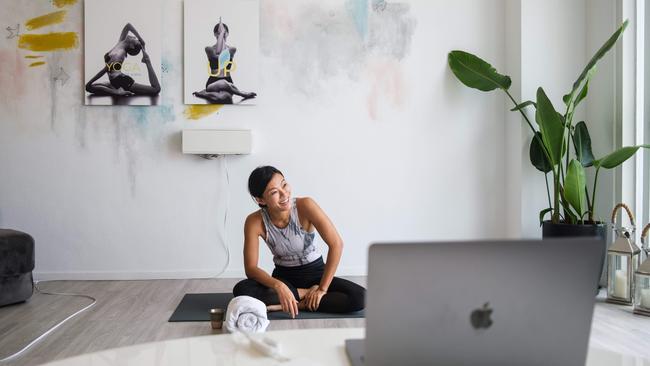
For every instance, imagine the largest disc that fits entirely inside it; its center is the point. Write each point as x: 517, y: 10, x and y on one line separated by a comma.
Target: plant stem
x: 566, y: 126
x: 548, y: 193
x: 522, y: 113
x: 556, y: 193
x: 588, y: 204
x: 556, y: 213
x: 541, y: 143
x: 593, y: 196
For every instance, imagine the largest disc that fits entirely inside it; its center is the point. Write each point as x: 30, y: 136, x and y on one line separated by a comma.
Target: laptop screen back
x: 489, y: 303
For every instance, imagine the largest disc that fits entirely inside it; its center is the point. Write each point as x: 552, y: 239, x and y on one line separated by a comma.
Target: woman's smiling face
x: 277, y: 195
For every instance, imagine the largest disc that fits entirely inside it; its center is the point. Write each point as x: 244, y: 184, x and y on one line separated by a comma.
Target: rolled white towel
x: 246, y: 314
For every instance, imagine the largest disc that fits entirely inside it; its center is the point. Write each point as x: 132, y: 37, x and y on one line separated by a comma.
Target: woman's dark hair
x: 259, y: 179
x: 216, y: 28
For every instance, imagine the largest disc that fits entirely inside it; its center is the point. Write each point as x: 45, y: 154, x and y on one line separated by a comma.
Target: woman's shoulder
x: 305, y: 204
x: 254, y: 222
x: 254, y: 217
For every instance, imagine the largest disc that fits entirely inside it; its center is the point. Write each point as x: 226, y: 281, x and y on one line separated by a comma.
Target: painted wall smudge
x: 358, y: 10
x: 60, y: 75
x: 13, y: 32
x: 390, y: 31
x: 45, y: 20
x: 62, y: 3
x: 54, y: 41
x: 200, y: 111
x: 13, y: 80
x: 318, y: 42
x: 387, y: 85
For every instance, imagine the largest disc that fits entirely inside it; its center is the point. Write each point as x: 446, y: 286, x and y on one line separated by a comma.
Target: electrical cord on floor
x: 53, y: 328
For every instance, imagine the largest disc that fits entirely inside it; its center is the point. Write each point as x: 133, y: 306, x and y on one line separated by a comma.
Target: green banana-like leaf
x: 537, y: 156
x: 543, y: 213
x: 618, y: 157
x: 474, y: 72
x: 582, y: 143
x: 570, y: 217
x: 583, y: 92
x: 523, y: 105
x: 598, y: 55
x: 551, y: 127
x: 574, y: 186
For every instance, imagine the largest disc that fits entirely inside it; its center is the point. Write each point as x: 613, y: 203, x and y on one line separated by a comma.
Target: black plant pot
x: 597, y: 229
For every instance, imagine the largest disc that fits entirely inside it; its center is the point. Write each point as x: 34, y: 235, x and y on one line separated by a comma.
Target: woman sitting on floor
x: 300, y: 280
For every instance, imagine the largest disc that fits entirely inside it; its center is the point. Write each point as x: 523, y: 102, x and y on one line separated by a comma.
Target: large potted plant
x: 558, y: 146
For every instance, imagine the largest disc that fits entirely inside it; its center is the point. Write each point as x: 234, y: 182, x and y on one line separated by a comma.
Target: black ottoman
x: 16, y: 265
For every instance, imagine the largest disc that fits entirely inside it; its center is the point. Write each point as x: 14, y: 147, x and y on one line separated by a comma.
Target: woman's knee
x: 357, y: 299
x: 245, y: 287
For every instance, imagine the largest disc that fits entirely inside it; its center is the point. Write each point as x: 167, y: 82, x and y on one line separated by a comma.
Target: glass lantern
x: 642, y: 279
x: 622, y: 263
x: 645, y: 247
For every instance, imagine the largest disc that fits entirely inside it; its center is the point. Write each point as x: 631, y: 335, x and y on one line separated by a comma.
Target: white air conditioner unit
x: 217, y: 142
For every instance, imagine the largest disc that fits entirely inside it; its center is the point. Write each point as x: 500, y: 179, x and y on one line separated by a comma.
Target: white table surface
x: 303, y: 347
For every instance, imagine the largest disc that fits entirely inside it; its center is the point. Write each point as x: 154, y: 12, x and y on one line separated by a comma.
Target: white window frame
x: 631, y: 177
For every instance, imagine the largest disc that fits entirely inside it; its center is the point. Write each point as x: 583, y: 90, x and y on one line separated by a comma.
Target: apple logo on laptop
x: 480, y: 318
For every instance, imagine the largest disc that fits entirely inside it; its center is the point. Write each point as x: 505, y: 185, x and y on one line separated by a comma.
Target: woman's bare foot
x: 301, y: 306
x: 302, y: 292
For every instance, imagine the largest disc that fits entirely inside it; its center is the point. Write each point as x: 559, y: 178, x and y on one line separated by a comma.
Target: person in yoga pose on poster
x: 220, y: 88
x: 119, y: 83
x: 300, y: 280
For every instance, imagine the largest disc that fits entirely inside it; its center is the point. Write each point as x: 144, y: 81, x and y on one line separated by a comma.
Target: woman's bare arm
x: 252, y: 232
x: 312, y: 212
x: 253, y: 229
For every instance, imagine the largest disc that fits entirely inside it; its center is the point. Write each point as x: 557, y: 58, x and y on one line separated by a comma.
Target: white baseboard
x: 161, y: 275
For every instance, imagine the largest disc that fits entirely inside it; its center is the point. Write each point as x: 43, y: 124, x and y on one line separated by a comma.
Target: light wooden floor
x: 131, y: 312
x: 126, y: 313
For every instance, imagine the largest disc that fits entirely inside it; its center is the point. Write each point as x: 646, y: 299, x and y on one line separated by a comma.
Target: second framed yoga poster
x: 221, y: 40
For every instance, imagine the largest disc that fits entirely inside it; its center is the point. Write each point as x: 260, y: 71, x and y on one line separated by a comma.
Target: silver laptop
x: 479, y: 303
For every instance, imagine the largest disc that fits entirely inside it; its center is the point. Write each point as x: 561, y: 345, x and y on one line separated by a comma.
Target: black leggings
x: 343, y: 296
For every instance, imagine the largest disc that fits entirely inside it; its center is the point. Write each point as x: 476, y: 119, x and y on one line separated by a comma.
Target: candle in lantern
x: 645, y: 298
x: 620, y: 284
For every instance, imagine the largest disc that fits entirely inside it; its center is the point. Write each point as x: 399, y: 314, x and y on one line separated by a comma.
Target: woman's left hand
x: 313, y: 297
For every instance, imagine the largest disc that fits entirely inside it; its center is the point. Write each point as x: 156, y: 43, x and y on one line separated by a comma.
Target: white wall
x: 601, y: 103
x: 373, y: 126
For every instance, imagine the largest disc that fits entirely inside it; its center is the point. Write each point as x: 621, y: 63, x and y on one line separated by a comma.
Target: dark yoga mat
x: 196, y: 308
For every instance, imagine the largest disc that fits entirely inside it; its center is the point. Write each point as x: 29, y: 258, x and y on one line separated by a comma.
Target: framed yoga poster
x: 221, y: 40
x: 122, y: 51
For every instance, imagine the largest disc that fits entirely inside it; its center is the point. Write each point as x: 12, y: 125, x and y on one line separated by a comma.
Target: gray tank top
x: 291, y: 246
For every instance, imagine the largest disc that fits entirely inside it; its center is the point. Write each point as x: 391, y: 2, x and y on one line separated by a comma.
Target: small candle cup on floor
x: 216, y: 317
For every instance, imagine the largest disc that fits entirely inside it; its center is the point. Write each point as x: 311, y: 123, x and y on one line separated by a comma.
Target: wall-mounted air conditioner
x: 217, y: 142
